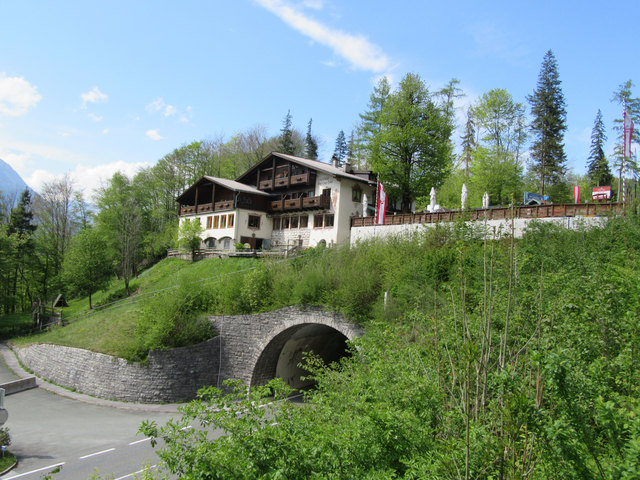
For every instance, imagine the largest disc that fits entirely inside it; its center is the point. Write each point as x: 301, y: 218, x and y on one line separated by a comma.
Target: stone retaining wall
x: 169, y: 376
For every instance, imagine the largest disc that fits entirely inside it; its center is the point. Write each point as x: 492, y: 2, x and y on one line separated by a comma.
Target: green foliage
x: 175, y: 320
x: 189, y: 236
x: 548, y: 109
x: 494, y: 358
x: 87, y: 267
x: 408, y: 140
x: 598, y: 166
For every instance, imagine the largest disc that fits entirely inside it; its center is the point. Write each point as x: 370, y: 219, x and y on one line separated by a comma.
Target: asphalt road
x: 48, y: 430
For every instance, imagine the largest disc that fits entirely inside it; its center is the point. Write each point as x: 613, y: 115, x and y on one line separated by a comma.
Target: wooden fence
x: 499, y: 213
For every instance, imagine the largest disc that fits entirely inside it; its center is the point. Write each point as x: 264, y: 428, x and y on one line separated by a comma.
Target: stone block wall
x: 246, y: 337
x: 169, y: 376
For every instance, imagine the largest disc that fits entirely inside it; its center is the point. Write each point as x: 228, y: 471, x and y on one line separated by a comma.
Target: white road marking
x: 140, y: 441
x: 136, y: 473
x: 97, y: 453
x: 36, y: 471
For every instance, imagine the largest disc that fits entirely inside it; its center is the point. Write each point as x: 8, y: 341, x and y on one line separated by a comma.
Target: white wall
x: 493, y: 227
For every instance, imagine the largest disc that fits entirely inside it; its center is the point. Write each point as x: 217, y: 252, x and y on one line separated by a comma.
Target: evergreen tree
x: 341, y: 150
x: 549, y: 123
x: 598, y: 166
x: 370, y: 120
x: 351, y: 146
x: 310, y: 144
x: 286, y: 138
x: 22, y: 216
x: 468, y: 142
x: 624, y: 97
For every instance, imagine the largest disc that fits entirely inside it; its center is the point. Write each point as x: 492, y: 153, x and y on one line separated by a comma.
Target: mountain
x: 11, y: 184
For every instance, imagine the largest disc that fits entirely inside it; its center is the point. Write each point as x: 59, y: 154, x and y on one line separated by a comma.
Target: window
x: 304, y: 221
x: 356, y: 194
x: 230, y: 220
x: 326, y: 192
x: 209, y: 220
x: 317, y: 221
x: 223, y: 221
x: 216, y: 221
x: 294, y: 222
x: 254, y: 221
x: 285, y: 222
x: 224, y: 243
x: 210, y: 242
x: 276, y: 223
x: 328, y: 220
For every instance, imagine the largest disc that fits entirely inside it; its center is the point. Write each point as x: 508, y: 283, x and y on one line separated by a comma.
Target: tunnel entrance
x: 284, y: 353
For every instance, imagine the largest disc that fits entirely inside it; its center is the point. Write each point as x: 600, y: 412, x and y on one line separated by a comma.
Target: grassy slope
x: 112, y: 330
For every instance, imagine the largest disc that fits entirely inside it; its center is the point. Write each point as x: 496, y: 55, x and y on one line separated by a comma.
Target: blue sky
x: 88, y: 88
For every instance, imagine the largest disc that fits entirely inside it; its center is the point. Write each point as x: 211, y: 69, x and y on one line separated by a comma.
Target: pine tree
x: 468, y: 142
x: 286, y: 144
x: 22, y: 216
x: 549, y: 123
x: 310, y: 144
x: 340, y: 151
x: 599, y: 171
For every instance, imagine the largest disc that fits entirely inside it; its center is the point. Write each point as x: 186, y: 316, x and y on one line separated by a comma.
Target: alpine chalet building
x: 283, y: 200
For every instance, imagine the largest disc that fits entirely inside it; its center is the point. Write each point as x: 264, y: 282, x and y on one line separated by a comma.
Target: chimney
x: 347, y: 166
x: 335, y: 162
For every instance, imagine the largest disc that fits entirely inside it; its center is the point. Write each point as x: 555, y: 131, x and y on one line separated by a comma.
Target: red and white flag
x: 381, y: 205
x: 576, y: 193
x: 628, y: 134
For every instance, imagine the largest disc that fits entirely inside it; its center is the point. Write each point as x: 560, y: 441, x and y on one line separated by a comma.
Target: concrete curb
x: 8, y: 469
x: 10, y: 359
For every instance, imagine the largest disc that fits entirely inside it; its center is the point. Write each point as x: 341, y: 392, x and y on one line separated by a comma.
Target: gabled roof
x: 314, y: 164
x: 226, y: 183
x: 236, y: 186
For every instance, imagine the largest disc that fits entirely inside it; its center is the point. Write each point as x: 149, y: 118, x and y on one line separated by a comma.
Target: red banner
x: 576, y: 194
x: 381, y: 205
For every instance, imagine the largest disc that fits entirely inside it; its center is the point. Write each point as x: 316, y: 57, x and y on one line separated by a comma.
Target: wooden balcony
x: 320, y: 202
x: 265, y: 184
x: 205, y: 207
x: 226, y: 205
x: 300, y: 179
x: 294, y: 204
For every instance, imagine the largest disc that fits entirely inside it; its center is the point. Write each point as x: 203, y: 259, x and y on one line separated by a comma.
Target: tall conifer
x: 599, y: 171
x: 286, y: 144
x: 310, y: 144
x: 548, y: 109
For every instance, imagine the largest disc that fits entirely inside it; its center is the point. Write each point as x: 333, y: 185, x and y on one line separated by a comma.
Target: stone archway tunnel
x: 257, y: 348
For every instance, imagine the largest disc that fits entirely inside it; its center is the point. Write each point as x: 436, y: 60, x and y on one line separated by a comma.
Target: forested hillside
x: 492, y: 359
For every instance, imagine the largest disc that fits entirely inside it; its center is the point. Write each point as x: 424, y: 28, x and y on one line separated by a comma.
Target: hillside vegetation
x: 493, y: 359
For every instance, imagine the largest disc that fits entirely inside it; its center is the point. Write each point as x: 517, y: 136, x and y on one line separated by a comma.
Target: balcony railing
x: 319, y: 202
x: 206, y: 207
x: 537, y: 211
x: 225, y: 205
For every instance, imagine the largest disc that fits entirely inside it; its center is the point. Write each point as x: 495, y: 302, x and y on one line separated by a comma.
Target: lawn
x: 110, y: 327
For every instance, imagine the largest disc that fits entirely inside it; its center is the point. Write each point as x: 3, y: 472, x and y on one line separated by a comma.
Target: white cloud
x: 17, y: 96
x: 159, y: 105
x: 314, y: 4
x: 356, y: 49
x: 105, y: 131
x: 93, y: 96
x: 186, y: 117
x: 94, y: 117
x: 87, y: 178
x: 153, y: 135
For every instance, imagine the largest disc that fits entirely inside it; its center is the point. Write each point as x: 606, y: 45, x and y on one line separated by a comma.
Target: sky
x: 88, y: 88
